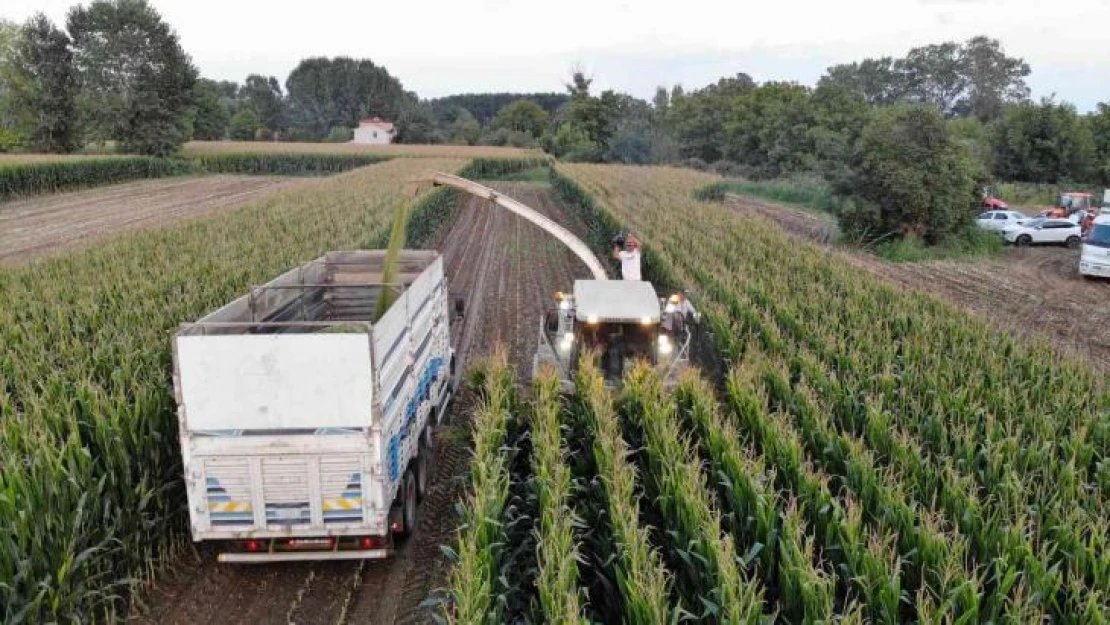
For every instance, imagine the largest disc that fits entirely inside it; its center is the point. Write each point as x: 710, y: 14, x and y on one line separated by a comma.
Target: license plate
x: 310, y: 542
x: 287, y: 514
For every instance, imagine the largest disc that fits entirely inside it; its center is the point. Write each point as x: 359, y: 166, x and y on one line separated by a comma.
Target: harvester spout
x: 564, y: 236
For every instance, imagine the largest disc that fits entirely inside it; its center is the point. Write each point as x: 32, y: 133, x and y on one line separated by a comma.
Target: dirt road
x: 1026, y: 291
x: 34, y: 227
x: 507, y: 271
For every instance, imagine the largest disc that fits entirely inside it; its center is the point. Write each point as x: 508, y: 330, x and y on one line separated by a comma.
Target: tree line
x: 906, y: 144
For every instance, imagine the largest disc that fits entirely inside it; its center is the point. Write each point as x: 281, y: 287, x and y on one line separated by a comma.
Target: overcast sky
x: 440, y: 47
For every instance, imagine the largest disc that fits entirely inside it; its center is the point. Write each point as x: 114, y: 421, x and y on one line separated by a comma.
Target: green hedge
x: 489, y: 168
x: 285, y: 164
x: 23, y: 179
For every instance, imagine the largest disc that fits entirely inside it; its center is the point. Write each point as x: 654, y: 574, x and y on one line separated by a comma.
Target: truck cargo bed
x: 300, y: 413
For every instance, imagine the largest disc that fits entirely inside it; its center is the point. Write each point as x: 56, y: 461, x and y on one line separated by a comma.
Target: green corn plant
x: 687, y: 505
x: 474, y: 579
x: 643, y: 581
x: 557, y: 550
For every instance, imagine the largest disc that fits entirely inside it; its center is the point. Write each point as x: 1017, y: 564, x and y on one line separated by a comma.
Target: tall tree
x: 46, y: 85
x: 993, y: 79
x: 324, y: 93
x: 934, y: 75
x: 263, y: 94
x: 212, y: 116
x: 10, y: 113
x: 522, y: 116
x: 137, y: 80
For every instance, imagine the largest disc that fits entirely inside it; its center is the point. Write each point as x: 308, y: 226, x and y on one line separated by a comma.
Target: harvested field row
x: 33, y: 228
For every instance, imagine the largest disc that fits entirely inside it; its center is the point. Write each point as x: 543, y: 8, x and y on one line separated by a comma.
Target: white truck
x: 306, y: 427
x: 1094, y: 259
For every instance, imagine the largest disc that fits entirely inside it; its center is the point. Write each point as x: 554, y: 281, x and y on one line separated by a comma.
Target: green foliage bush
x: 23, y: 179
x: 910, y: 179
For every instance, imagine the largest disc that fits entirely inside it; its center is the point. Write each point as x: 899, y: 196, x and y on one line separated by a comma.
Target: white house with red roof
x: 374, y: 131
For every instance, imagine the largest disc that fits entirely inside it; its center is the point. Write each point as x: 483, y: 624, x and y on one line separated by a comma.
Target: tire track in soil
x: 506, y: 270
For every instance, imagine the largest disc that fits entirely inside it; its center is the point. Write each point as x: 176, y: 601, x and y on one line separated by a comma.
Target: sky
x: 441, y: 47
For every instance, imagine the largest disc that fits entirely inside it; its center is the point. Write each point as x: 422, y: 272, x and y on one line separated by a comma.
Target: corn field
x: 866, y: 455
x: 90, y: 477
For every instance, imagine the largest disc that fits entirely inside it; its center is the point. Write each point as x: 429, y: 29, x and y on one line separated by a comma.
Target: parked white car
x: 1044, y: 230
x: 1095, y: 259
x: 1000, y: 220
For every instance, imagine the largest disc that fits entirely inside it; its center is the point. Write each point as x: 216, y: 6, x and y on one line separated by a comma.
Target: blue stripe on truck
x: 427, y: 378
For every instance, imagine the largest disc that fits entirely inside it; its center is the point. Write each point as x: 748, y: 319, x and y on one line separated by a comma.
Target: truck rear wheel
x: 408, y: 504
x: 423, y: 467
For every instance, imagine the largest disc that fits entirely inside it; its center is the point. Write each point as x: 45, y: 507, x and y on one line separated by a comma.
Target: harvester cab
x: 619, y: 321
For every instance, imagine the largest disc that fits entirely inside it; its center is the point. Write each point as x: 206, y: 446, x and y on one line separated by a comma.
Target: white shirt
x: 630, y: 264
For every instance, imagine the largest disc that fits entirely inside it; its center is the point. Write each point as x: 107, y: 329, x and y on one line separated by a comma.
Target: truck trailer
x: 306, y: 424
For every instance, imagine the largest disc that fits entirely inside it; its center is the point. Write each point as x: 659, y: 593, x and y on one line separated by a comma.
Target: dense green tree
x: 324, y: 93
x: 211, y: 116
x: 910, y: 179
x: 878, y: 81
x: 137, y: 81
x: 460, y: 127
x: 767, y: 129
x: 483, y: 107
x: 244, y: 125
x: 46, y: 85
x: 1045, y: 142
x: 934, y: 75
x: 838, y: 116
x: 699, y: 116
x: 522, y: 116
x: 416, y: 122
x: 263, y: 94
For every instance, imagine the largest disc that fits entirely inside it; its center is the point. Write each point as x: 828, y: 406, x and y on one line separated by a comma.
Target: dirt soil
x: 507, y: 271
x: 33, y: 227
x: 1026, y: 291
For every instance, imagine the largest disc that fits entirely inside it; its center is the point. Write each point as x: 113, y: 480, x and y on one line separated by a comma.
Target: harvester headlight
x: 665, y: 346
x: 646, y: 320
x: 592, y: 319
x: 567, y: 342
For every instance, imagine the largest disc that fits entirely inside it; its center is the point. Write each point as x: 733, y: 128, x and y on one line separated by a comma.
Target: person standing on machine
x: 629, y: 257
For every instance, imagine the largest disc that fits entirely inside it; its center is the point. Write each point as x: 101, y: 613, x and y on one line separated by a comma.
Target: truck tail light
x: 254, y: 546
x: 372, y: 542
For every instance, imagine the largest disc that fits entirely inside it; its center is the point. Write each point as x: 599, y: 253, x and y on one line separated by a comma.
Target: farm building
x: 374, y: 131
